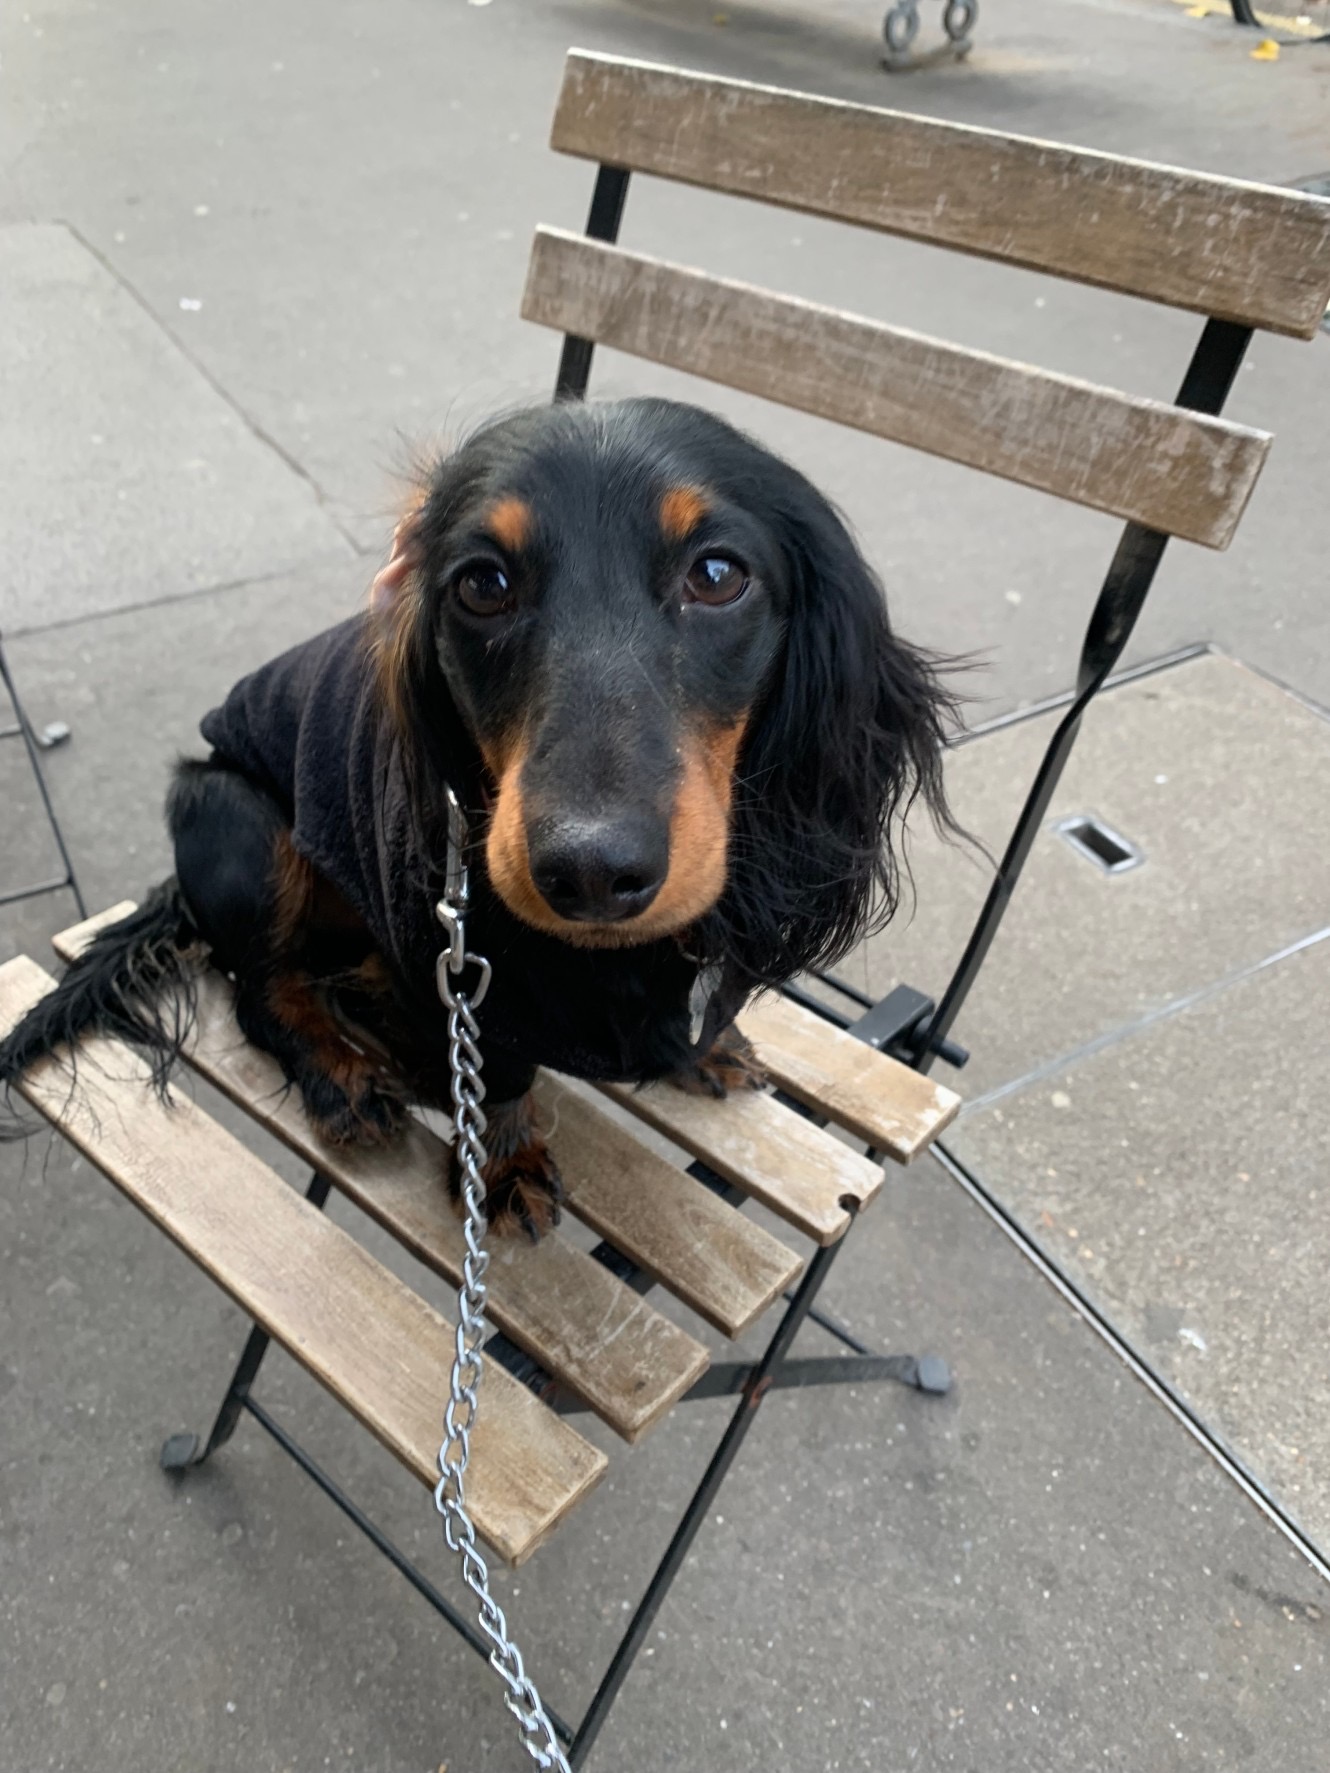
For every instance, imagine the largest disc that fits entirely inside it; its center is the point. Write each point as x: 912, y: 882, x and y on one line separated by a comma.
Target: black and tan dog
x: 650, y: 661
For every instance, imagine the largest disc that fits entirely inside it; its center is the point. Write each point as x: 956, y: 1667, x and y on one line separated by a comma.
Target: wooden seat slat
x: 1239, y: 251
x: 725, y: 1267
x: 599, y: 1338
x: 376, y: 1346
x: 870, y: 1094
x: 1159, y: 465
x: 802, y: 1172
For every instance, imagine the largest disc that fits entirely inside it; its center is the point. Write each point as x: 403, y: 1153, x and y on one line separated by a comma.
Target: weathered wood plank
x: 600, y: 1339
x: 1172, y: 470
x: 70, y: 942
x: 376, y: 1346
x: 799, y: 1170
x: 719, y: 1263
x: 868, y: 1093
x: 1239, y: 251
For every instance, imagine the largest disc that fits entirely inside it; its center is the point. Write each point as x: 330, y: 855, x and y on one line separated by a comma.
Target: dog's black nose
x: 599, y: 871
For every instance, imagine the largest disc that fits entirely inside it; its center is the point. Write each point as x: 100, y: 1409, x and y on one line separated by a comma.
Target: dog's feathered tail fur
x: 136, y: 982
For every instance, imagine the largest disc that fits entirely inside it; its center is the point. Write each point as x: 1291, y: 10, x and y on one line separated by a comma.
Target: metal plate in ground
x: 1215, y: 774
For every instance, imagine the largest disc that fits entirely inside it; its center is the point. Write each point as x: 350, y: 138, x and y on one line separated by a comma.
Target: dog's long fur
x: 662, y: 776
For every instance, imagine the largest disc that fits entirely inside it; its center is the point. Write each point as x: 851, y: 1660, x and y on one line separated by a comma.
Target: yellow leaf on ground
x: 1267, y: 50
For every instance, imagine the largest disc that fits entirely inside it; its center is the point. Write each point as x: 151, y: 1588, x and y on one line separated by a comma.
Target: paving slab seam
x: 1309, y: 702
x: 35, y: 630
x: 1128, y: 1030
x: 1223, y: 1455
x: 223, y: 393
x: 1182, y: 655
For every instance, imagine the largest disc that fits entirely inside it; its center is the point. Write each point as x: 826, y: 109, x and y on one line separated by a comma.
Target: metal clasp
x: 452, y: 920
x: 456, y: 882
x: 451, y: 912
x: 455, y: 957
x: 446, y: 978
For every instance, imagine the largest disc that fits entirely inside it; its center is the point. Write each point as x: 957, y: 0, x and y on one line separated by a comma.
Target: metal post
x: 607, y: 201
x: 181, y: 1451
x: 1205, y: 387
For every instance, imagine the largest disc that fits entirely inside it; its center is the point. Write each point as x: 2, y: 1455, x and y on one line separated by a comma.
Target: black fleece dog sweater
x: 310, y: 729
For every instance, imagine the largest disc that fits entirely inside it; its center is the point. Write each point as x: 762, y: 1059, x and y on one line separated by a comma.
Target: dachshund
x: 655, y: 670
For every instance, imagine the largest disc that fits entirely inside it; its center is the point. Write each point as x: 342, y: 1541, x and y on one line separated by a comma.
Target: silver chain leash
x: 468, y: 1092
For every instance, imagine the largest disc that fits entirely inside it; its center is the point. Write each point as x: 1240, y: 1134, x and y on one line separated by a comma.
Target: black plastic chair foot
x: 179, y: 1452
x: 933, y: 1374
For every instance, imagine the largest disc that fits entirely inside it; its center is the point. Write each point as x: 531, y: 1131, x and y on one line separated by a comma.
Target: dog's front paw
x: 364, y: 1112
x: 523, y: 1188
x: 730, y: 1065
x: 526, y: 1193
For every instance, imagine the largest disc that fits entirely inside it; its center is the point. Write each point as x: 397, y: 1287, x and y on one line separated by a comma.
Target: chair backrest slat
x: 1172, y: 470
x: 1236, y: 251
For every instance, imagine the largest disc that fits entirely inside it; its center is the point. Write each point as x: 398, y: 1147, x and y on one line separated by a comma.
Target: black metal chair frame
x: 35, y: 743
x: 906, y: 1023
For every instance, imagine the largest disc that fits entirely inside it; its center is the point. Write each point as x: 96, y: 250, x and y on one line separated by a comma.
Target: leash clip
x: 451, y: 912
x: 456, y: 879
x: 446, y: 976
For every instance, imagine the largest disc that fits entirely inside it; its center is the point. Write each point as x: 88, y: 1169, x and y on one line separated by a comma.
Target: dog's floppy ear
x: 412, y: 692
x: 849, y: 736
x: 396, y: 602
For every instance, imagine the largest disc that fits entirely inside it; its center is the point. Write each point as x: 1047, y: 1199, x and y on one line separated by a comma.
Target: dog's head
x: 679, y: 674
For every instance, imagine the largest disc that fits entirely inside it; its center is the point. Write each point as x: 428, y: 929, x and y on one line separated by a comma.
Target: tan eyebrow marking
x: 681, y: 510
x: 509, y: 521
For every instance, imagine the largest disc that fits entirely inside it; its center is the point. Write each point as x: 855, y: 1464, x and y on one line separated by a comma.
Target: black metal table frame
x: 906, y: 1023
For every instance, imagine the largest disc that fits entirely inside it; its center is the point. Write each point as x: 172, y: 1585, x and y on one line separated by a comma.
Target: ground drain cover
x: 1099, y: 843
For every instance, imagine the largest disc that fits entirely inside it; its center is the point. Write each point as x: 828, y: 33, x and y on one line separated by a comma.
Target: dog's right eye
x: 484, y: 589
x: 716, y: 580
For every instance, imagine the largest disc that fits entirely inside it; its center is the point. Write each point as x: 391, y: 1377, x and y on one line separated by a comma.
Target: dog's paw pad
x: 373, y: 1116
x: 730, y: 1065
x: 523, y: 1192
x: 525, y: 1201
x: 380, y: 1116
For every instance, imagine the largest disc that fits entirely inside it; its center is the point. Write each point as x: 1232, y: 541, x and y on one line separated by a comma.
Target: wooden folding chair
x: 576, y: 1329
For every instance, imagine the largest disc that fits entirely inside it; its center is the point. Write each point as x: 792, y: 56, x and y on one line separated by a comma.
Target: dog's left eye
x: 484, y: 589
x: 716, y: 579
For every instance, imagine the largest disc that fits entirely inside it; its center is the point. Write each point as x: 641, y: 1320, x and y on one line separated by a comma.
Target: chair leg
x: 921, y: 1372
x: 33, y: 742
x: 924, y: 1372
x: 755, y: 1388
x: 181, y: 1451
